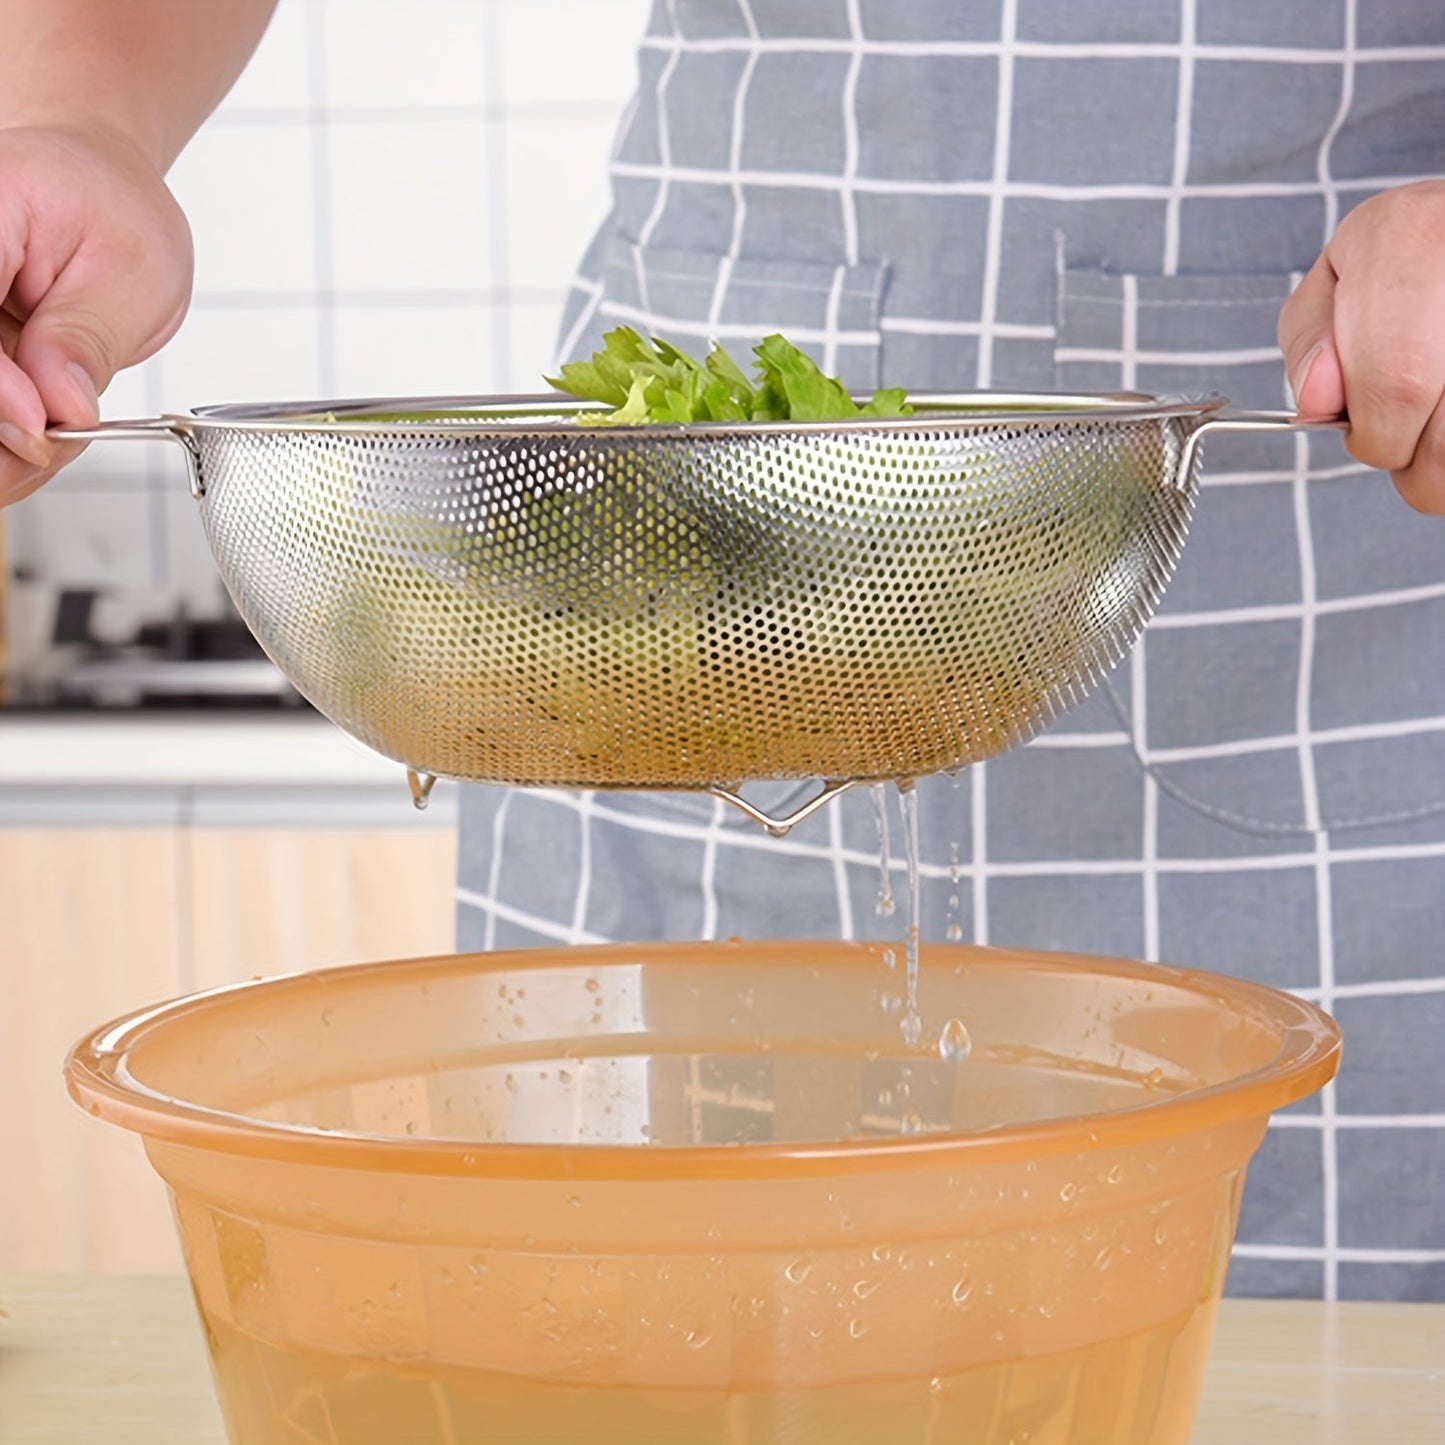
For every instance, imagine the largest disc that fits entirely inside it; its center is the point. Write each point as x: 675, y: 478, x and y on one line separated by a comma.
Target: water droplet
x: 1115, y: 1174
x: 891, y: 1003
x: 1069, y: 1192
x: 592, y: 985
x: 1160, y: 1233
x: 573, y: 1200
x: 799, y: 1270
x: 882, y: 1253
x: 911, y: 1028
x: 326, y: 1017
x: 935, y: 1386
x: 856, y: 1328
x: 954, y: 1043
x: 890, y: 959
x: 698, y: 1338
x: 885, y: 904
x: 962, y: 1290
x: 954, y: 933
x: 1104, y: 1258
x: 510, y: 1084
x: 1153, y: 1078
x: 411, y: 1126
x: 563, y: 1077
x: 864, y: 1287
x: 885, y: 1098
x: 912, y: 1122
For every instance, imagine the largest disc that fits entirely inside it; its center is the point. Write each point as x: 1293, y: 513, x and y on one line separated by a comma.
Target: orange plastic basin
x: 704, y: 1193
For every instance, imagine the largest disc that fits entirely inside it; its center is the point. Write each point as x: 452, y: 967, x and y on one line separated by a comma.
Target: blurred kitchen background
x: 391, y: 201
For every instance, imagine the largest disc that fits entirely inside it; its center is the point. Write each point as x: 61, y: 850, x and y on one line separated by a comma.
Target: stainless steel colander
x: 483, y: 589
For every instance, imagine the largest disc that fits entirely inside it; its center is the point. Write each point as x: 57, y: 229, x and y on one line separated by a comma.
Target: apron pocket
x: 1287, y: 683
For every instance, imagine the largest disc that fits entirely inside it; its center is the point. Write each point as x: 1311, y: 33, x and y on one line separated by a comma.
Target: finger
x: 33, y: 460
x: 22, y: 420
x: 22, y: 412
x: 87, y: 327
x: 1389, y: 318
x: 1321, y: 390
x: 18, y: 479
x: 1422, y: 483
x: 1306, y: 337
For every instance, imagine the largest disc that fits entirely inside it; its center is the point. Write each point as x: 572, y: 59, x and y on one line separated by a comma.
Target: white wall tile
x: 415, y: 350
x: 410, y: 205
x: 235, y: 356
x: 186, y: 565
x: 78, y: 540
x: 249, y: 194
x: 557, y: 193
x: 421, y: 53
x: 532, y: 344
x: 128, y: 395
x: 108, y: 468
x: 277, y: 77
x: 566, y: 52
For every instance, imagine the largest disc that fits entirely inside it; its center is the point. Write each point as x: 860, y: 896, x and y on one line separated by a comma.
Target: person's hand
x: 1364, y: 333
x: 95, y: 272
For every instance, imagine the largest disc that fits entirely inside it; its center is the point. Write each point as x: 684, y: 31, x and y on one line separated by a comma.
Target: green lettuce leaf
x: 653, y: 381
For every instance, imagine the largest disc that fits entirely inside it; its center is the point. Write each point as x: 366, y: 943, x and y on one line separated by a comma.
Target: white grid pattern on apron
x: 689, y: 850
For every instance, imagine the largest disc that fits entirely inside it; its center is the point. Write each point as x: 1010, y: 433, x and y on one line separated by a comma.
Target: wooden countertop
x: 107, y: 1360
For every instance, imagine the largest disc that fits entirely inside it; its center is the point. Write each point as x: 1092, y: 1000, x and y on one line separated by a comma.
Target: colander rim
x: 521, y: 415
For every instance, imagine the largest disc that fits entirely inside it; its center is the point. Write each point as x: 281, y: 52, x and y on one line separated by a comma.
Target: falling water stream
x: 954, y: 1043
x: 911, y: 1023
x: 885, y: 905
x: 908, y: 810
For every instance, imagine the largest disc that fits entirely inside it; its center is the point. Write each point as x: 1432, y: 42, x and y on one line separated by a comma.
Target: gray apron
x: 1079, y: 194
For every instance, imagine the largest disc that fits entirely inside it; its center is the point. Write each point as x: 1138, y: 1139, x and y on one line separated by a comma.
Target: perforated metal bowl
x: 483, y: 589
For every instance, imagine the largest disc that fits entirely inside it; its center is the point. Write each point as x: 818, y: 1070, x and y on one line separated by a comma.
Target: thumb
x: 1306, y: 336
x: 85, y: 330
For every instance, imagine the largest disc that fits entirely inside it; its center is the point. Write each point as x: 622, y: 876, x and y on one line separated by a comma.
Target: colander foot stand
x: 779, y: 827
x: 421, y: 785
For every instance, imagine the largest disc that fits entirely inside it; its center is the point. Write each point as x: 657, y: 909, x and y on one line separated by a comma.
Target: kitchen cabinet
x: 97, y: 921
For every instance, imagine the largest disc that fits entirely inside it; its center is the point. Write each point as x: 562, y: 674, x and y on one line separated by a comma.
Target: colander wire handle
x: 1239, y: 419
x: 166, y: 428
x: 1231, y: 418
